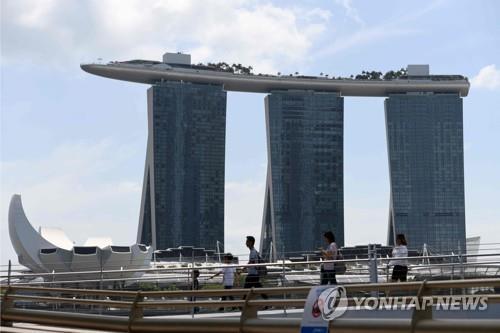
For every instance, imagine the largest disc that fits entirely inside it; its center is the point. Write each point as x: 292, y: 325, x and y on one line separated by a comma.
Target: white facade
x: 50, y: 250
x: 57, y: 237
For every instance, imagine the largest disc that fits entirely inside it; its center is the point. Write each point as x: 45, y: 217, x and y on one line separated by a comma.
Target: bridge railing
x: 135, y: 304
x: 279, y: 273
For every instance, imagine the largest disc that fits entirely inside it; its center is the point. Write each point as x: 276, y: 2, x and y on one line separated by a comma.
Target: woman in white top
x: 400, y: 270
x: 328, y: 269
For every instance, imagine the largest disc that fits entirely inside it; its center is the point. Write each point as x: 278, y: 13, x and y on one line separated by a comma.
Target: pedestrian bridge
x: 127, y: 311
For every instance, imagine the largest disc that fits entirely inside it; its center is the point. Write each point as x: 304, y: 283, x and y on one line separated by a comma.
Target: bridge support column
x: 6, y: 304
x: 422, y: 311
x: 248, y: 311
x: 136, y: 312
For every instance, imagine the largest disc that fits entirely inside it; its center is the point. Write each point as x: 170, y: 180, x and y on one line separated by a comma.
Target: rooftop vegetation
x: 365, y: 75
x: 248, y: 70
x: 234, y: 68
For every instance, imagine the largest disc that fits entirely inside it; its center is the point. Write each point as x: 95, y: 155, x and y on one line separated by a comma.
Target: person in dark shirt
x: 195, y: 286
x: 253, y: 279
x: 196, y: 275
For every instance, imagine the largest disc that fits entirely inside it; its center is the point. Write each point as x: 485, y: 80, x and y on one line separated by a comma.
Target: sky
x: 73, y: 144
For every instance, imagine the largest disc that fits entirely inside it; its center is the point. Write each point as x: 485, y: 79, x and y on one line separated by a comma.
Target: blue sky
x: 73, y: 144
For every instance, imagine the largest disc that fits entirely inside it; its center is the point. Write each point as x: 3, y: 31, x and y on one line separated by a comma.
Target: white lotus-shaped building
x: 50, y: 250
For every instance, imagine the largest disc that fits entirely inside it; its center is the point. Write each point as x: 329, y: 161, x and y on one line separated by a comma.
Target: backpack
x: 340, y: 267
x: 261, y: 270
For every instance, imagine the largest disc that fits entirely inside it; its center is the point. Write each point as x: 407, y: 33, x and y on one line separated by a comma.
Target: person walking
x: 252, y: 279
x: 195, y: 286
x: 330, y: 253
x: 227, y: 277
x: 400, y: 269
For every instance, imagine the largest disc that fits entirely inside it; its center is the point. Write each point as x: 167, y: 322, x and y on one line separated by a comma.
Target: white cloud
x: 363, y: 37
x: 246, y: 31
x: 487, y: 78
x: 316, y: 13
x: 374, y: 33
x: 35, y: 17
x: 351, y: 11
x: 77, y: 187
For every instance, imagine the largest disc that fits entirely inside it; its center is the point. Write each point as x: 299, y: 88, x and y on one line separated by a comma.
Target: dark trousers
x: 253, y: 281
x: 399, y: 273
x: 230, y: 297
x: 328, y: 276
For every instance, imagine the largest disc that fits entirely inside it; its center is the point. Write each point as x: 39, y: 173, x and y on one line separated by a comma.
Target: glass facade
x: 426, y: 163
x: 183, y: 191
x: 304, y: 191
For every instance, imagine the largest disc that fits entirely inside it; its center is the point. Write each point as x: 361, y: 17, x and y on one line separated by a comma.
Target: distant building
x: 50, y: 250
x: 183, y: 189
x: 304, y: 190
x: 426, y: 164
x: 183, y: 192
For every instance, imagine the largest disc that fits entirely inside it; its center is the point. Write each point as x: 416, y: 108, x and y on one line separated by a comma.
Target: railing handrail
x: 271, y: 291
x: 248, y: 321
x: 216, y: 303
x: 278, y: 263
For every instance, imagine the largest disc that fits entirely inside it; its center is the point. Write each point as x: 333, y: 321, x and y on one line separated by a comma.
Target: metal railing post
x: 192, y: 283
x: 248, y: 311
x: 218, y: 250
x: 101, y: 276
x: 9, y: 272
x: 283, y: 280
x: 387, y: 271
x: 462, y: 268
x: 372, y: 266
x: 422, y: 311
x: 6, y: 304
x: 461, y: 260
x: 136, y: 312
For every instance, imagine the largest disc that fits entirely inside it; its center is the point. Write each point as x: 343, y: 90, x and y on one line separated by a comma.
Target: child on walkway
x: 227, y: 276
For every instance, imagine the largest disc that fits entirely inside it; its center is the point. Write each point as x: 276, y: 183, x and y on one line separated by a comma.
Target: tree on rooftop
x: 389, y: 75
